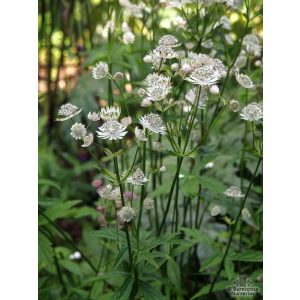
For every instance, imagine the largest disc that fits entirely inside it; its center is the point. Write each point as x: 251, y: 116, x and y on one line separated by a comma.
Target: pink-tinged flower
x: 96, y: 183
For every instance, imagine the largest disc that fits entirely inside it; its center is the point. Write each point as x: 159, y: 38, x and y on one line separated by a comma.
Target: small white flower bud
x: 209, y: 165
x: 246, y: 213
x: 163, y: 169
x: 186, y: 68
x: 214, y: 89
x: 175, y: 67
x: 147, y: 59
x: 146, y: 102
x: 258, y: 63
x: 215, y: 210
x: 234, y: 105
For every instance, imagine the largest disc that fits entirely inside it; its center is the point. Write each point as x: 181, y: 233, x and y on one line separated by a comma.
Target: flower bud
x: 186, y: 68
x: 234, y: 105
x: 146, y: 102
x: 214, y: 89
x: 163, y: 169
x: 118, y: 76
x: 175, y: 67
x: 147, y: 59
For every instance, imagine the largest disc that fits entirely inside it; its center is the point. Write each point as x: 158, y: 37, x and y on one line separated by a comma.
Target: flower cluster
x: 158, y: 87
x: 252, y: 112
x: 137, y: 178
x: 126, y: 214
x: 154, y: 123
x: 234, y: 192
x: 68, y: 111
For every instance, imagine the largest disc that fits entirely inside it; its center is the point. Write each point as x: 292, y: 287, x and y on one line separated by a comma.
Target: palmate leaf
x: 211, y: 184
x: 45, y: 249
x: 108, y: 233
x: 149, y: 292
x: 211, y: 261
x: 173, y: 272
x: 71, y: 267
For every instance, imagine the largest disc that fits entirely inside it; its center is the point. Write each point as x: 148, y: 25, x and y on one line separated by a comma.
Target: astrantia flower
x: 215, y: 210
x: 159, y: 86
x: 88, y: 140
x: 94, y: 116
x: 78, y: 131
x: 224, y: 22
x: 68, y: 111
x: 126, y: 214
x: 252, y: 45
x: 240, y: 61
x: 246, y: 213
x: 140, y: 135
x: 154, y: 123
x: 115, y: 195
x: 192, y: 94
x: 234, y: 192
x: 166, y: 52
x: 204, y: 76
x: 252, y: 112
x: 126, y: 121
x: 244, y: 81
x: 137, y: 178
x: 159, y: 147
x: 128, y: 38
x: 104, y: 192
x: 148, y: 203
x: 100, y: 70
x: 168, y: 40
x: 112, y: 130
x: 110, y: 113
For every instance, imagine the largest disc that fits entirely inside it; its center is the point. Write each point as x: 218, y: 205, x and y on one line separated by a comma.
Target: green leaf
x: 173, y: 272
x: 125, y: 290
x: 45, y: 249
x: 251, y: 256
x: 190, y: 186
x: 161, y: 190
x: 149, y: 292
x: 183, y: 247
x: 212, y: 184
x: 48, y: 182
x: 219, y: 286
x: 71, y: 267
x: 211, y: 261
x: 107, y: 233
x: 229, y: 268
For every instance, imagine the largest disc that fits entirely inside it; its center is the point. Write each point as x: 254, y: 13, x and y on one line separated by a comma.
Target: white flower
x: 100, y: 70
x: 88, y: 140
x: 209, y: 165
x: 78, y: 131
x: 215, y: 210
x: 175, y: 67
x: 68, y: 111
x: 246, y: 213
x: 191, y: 97
x: 126, y: 121
x: 244, y: 81
x: 128, y: 38
x: 166, y: 52
x: 154, y: 123
x: 104, y: 192
x: 146, y: 102
x: 110, y: 113
x: 234, y: 192
x: 204, y: 76
x: 159, y: 86
x: 168, y: 40
x: 140, y: 135
x: 126, y: 214
x: 159, y: 147
x: 224, y: 22
x: 149, y: 203
x: 252, y: 112
x: 94, y: 116
x: 234, y: 105
x: 234, y: 3
x: 251, y: 44
x: 137, y: 178
x: 112, y: 130
x: 115, y: 195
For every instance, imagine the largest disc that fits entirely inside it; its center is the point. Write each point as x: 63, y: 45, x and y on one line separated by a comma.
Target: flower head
x: 244, y: 81
x: 110, y: 113
x: 68, y: 111
x: 100, y: 70
x: 128, y: 38
x: 234, y: 105
x: 153, y: 122
x: 78, y: 131
x: 140, y: 135
x: 234, y: 192
x: 159, y: 86
x: 252, y: 45
x: 169, y: 41
x: 137, y: 178
x: 126, y: 121
x: 88, y: 140
x: 215, y: 210
x: 104, y: 192
x: 252, y: 112
x: 112, y: 130
x: 163, y: 51
x: 126, y: 214
x: 148, y: 203
x: 246, y: 213
x: 192, y: 94
x: 94, y: 116
x: 204, y: 76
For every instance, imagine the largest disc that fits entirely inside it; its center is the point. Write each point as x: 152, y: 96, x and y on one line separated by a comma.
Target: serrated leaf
x: 211, y: 261
x: 190, y: 186
x: 125, y: 290
x: 149, y: 292
x: 45, y: 250
x: 212, y: 184
x: 229, y: 268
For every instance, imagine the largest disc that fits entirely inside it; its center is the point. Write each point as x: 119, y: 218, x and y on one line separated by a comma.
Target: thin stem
x: 234, y: 228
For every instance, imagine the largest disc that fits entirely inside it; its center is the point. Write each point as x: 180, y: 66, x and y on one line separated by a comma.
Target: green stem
x: 234, y: 228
